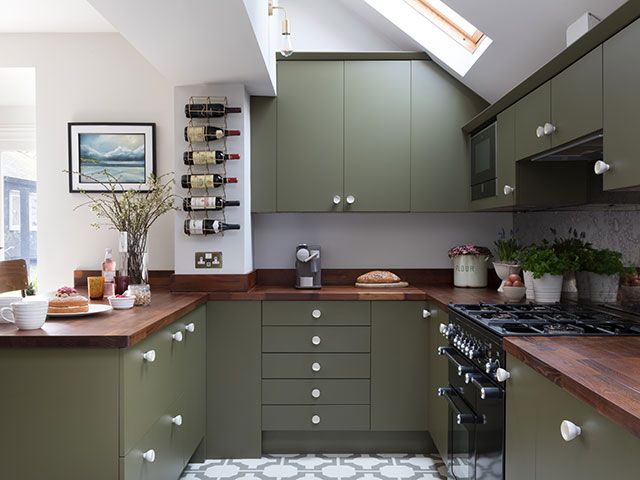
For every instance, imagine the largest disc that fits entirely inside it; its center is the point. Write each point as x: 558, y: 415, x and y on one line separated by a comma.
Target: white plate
x: 93, y: 308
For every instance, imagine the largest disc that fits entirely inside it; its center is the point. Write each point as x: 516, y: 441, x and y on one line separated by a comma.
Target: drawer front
x: 283, y: 366
x: 320, y: 417
x: 311, y: 313
x: 192, y: 353
x: 315, y: 392
x: 316, y: 339
x: 191, y: 407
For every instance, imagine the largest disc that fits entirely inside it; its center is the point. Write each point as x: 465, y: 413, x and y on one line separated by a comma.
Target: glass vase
x: 135, y: 265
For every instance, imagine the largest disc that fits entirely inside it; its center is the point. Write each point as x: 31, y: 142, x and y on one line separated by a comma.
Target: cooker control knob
x: 502, y: 375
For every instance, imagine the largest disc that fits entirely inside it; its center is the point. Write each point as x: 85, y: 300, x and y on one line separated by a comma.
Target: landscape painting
x: 116, y: 154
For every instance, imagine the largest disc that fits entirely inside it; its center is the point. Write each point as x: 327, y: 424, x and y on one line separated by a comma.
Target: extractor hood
x: 587, y: 148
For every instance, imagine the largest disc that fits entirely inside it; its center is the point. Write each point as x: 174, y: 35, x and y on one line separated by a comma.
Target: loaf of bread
x: 378, y: 276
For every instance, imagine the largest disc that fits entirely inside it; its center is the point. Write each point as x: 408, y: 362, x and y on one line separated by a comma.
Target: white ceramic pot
x: 582, y: 283
x: 469, y: 271
x: 503, y: 270
x: 603, y: 288
x: 569, y: 286
x: 528, y: 283
x: 548, y: 288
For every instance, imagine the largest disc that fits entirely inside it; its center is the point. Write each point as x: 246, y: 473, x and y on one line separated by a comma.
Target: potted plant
x: 507, y: 250
x: 527, y: 275
x: 574, y: 246
x: 630, y: 286
x: 469, y: 265
x: 604, y: 268
x: 547, y: 268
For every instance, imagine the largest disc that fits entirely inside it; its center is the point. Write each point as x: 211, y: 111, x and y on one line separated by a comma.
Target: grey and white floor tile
x: 320, y: 467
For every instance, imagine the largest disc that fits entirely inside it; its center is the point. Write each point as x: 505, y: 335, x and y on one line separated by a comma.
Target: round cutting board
x: 382, y: 285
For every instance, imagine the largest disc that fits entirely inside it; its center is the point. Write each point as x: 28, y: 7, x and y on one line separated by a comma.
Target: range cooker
x: 478, y: 370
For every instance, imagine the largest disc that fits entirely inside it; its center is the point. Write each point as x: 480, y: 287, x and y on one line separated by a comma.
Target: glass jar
x: 142, y: 294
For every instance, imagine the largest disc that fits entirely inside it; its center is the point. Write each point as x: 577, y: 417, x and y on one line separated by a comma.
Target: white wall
x: 86, y: 77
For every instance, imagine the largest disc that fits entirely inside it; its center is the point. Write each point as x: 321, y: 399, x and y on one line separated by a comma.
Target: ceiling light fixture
x: 286, y: 48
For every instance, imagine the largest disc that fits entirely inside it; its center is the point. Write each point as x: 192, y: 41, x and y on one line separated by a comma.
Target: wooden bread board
x: 382, y: 285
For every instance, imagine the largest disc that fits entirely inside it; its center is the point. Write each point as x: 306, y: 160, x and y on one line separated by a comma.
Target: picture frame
x: 125, y: 150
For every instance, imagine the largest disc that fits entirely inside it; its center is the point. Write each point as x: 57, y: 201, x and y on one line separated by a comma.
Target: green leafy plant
x: 507, y: 248
x: 574, y: 246
x: 543, y: 259
x: 604, y: 262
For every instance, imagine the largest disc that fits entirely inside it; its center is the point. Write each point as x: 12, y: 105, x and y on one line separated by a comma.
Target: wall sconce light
x: 285, y: 48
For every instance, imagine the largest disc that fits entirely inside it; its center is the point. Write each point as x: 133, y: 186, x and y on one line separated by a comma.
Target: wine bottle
x: 207, y: 133
x: 212, y: 180
x: 208, y: 157
x: 207, y: 226
x: 207, y: 203
x: 208, y: 110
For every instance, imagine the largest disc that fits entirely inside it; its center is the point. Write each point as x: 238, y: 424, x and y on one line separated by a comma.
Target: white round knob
x: 316, y: 340
x: 315, y: 419
x: 190, y: 327
x: 502, y: 375
x: 177, y: 336
x: 315, y: 393
x: 337, y: 199
x: 149, y: 356
x: 569, y: 430
x: 443, y: 328
x: 315, y: 366
x: 149, y: 455
x: 508, y: 189
x: 540, y: 132
x: 351, y: 199
x: 425, y: 313
x: 177, y: 420
x: 316, y: 313
x: 549, y: 128
x: 601, y: 167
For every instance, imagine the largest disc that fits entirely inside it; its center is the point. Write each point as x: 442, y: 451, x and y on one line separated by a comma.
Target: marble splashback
x: 615, y: 228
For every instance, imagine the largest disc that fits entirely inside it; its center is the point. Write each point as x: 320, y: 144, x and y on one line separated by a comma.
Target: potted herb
x: 469, y: 265
x: 547, y: 268
x: 507, y: 250
x: 527, y: 275
x: 575, y: 246
x: 604, y: 268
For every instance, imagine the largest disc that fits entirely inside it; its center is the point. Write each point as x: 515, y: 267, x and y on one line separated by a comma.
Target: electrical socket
x: 208, y: 260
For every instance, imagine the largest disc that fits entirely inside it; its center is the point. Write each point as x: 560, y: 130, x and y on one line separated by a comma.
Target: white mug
x: 26, y: 315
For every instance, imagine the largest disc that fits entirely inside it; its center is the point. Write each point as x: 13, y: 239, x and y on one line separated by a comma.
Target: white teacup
x: 26, y: 315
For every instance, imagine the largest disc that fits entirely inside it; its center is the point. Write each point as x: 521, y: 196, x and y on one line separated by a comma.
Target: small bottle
x: 207, y: 226
x: 109, y: 273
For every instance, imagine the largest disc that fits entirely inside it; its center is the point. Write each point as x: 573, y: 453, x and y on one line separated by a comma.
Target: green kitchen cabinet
x: 309, y: 138
x: 377, y: 136
x: 438, y: 417
x: 621, y: 106
x: 399, y: 366
x: 263, y: 154
x: 440, y: 105
x: 532, y: 112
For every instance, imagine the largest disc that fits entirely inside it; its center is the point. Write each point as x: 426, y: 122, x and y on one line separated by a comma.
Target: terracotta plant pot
x: 548, y: 288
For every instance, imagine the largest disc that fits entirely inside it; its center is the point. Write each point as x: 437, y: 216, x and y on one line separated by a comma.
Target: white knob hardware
x: 149, y: 356
x: 508, y: 189
x: 315, y: 393
x: 502, y: 375
x: 190, y: 327
x: 425, y: 313
x: 316, y: 340
x: 149, y: 455
x: 351, y: 199
x: 177, y: 336
x: 337, y: 199
x: 569, y: 430
x: 549, y: 128
x: 443, y: 328
x: 177, y: 420
x: 540, y: 132
x: 315, y: 366
x: 316, y: 313
x: 315, y: 419
x: 601, y: 167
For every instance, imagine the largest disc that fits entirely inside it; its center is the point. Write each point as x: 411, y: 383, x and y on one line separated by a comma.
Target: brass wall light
x: 285, y: 47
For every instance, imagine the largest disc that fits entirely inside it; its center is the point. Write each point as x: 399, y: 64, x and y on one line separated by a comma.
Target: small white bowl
x: 514, y: 294
x: 122, y: 303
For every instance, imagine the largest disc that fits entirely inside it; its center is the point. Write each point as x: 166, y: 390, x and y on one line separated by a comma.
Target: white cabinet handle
x: 190, y: 327
x: 540, y: 131
x: 149, y: 455
x: 315, y: 419
x: 337, y: 199
x: 351, y: 199
x: 569, y: 430
x: 316, y: 340
x: 601, y: 167
x: 315, y: 366
x: 149, y: 356
x: 502, y: 375
x: 177, y: 420
x: 508, y: 190
x: 315, y: 393
x: 177, y: 336
x: 425, y: 313
x: 316, y: 313
x: 549, y: 128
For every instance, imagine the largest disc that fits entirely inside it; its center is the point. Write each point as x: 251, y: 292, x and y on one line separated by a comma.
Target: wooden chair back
x: 14, y: 275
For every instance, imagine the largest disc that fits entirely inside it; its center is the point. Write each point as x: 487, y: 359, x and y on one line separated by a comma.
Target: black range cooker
x: 478, y: 370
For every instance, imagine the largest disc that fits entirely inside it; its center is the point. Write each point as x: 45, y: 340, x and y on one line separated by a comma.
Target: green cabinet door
x: 310, y: 136
x: 377, y: 136
x: 621, y: 106
x: 399, y: 366
x: 263, y: 154
x: 533, y: 111
x: 440, y: 105
x: 438, y: 416
x: 576, y: 99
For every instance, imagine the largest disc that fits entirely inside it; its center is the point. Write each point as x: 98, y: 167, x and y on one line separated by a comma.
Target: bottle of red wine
x: 207, y: 203
x: 207, y: 226
x: 208, y: 157
x: 212, y: 180
x: 207, y: 133
x: 208, y: 110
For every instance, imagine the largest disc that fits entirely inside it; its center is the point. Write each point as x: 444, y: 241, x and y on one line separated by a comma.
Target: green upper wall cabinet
x: 440, y: 105
x: 310, y: 146
x: 263, y: 154
x: 621, y: 106
x: 533, y: 111
x: 377, y: 116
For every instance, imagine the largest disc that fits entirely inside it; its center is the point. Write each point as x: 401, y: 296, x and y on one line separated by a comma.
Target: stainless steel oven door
x: 461, y: 461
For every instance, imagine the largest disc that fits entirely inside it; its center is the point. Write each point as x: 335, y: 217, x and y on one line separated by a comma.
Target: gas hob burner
x: 563, y: 329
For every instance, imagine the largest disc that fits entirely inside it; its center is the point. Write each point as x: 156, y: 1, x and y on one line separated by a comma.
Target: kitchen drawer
x: 316, y: 313
x: 192, y: 350
x: 301, y: 365
x: 191, y: 407
x: 328, y: 417
x: 327, y: 392
x: 329, y: 339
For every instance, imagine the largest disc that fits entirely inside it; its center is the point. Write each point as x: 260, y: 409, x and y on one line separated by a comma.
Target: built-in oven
x: 483, y: 163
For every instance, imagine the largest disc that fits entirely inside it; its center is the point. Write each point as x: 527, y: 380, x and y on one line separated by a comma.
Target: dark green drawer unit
x: 315, y: 392
x: 311, y: 417
x: 315, y: 365
x: 308, y: 313
x: 316, y: 339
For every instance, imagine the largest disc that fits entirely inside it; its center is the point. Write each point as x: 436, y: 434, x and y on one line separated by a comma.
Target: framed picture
x: 120, y: 153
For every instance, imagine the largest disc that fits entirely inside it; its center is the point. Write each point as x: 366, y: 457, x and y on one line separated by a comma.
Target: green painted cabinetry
x: 263, y: 154
x: 438, y: 416
x: 531, y: 112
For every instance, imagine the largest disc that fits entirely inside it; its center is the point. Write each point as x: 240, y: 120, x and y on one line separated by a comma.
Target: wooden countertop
x: 604, y: 372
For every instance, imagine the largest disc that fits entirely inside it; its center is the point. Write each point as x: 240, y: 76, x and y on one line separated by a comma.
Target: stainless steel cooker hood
x: 587, y: 148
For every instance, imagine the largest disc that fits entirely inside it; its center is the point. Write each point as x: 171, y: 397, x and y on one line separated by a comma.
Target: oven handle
x: 449, y: 352
x: 462, y: 418
x: 487, y: 390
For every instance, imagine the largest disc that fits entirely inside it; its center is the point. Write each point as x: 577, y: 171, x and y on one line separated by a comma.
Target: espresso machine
x: 308, y: 266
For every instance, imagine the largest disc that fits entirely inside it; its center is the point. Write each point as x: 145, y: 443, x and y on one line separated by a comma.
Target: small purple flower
x: 469, y: 249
